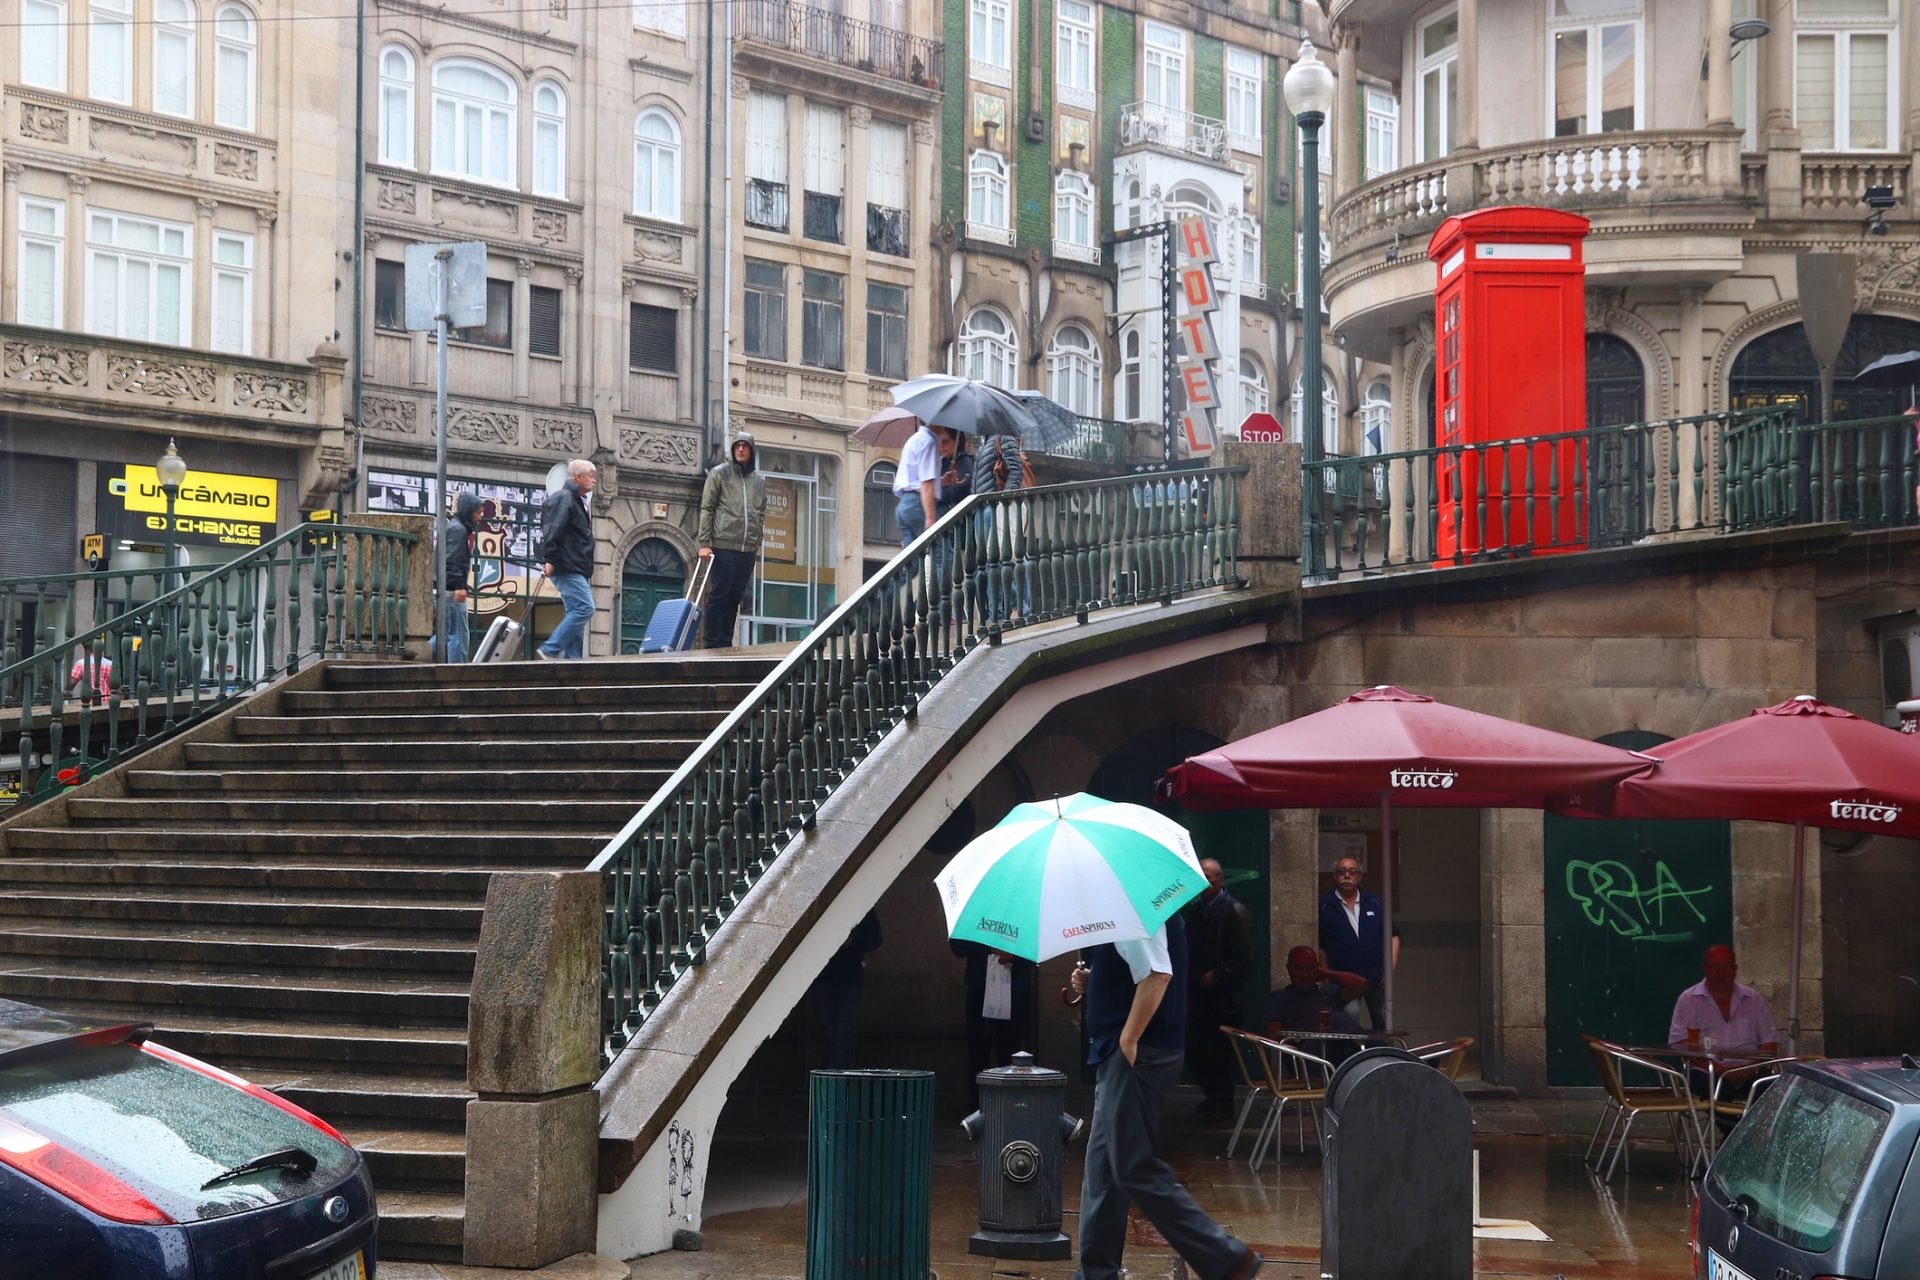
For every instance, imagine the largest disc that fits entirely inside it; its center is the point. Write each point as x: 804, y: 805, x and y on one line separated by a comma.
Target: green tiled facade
x: 953, y: 118
x: 1209, y: 77
x: 1033, y: 161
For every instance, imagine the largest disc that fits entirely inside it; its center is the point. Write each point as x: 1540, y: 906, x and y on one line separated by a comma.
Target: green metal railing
x: 995, y: 561
x: 316, y: 591
x: 1095, y: 440
x: 1604, y: 486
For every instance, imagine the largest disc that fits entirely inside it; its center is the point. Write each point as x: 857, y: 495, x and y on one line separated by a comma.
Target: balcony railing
x: 820, y: 217
x: 887, y: 230
x: 1095, y: 440
x: 766, y: 204
x: 1149, y: 123
x: 843, y: 41
x: 1607, y: 486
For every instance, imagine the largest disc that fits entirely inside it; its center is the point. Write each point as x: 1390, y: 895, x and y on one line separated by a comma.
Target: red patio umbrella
x: 1387, y: 746
x: 1804, y: 761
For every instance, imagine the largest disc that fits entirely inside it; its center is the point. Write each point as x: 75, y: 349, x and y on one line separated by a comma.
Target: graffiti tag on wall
x: 1612, y: 897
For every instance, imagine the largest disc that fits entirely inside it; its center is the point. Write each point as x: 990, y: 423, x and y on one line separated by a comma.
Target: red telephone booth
x: 1511, y: 362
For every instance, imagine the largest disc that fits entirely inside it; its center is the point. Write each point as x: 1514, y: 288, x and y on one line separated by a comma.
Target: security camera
x: 1880, y: 198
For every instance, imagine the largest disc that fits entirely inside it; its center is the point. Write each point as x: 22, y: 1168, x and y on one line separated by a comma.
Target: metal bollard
x: 1023, y: 1129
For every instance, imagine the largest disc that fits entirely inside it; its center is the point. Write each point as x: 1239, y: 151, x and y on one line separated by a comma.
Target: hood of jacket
x: 466, y: 507
x: 753, y: 452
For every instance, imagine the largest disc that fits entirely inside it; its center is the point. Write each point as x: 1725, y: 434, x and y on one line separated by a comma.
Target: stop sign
x: 1262, y: 428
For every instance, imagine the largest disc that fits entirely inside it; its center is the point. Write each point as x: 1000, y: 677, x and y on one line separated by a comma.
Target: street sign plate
x: 1262, y: 428
x: 466, y: 268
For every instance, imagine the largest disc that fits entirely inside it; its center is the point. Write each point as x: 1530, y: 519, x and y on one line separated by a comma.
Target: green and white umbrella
x: 1069, y: 873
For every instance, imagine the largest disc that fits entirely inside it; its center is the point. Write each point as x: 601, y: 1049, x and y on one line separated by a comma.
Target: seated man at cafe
x: 1725, y: 1018
x: 1314, y: 999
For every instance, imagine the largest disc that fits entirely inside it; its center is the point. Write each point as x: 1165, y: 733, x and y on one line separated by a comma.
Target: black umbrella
x: 975, y: 408
x: 1057, y: 424
x: 1901, y: 369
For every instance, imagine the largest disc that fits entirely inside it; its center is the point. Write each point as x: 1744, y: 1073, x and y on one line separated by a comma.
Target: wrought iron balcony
x: 1150, y: 124
x: 766, y: 204
x: 887, y: 230
x: 820, y: 217
x: 1095, y: 440
x: 843, y: 41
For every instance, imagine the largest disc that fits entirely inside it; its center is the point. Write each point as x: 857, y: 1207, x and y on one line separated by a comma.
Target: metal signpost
x: 446, y: 289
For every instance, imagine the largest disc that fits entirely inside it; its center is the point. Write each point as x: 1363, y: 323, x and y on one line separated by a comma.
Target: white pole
x: 1386, y: 910
x: 1793, y: 957
x: 443, y: 306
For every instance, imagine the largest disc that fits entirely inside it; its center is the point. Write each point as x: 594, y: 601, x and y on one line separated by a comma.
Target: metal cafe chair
x: 1672, y: 1098
x: 1292, y: 1075
x: 1246, y: 1056
x: 1448, y: 1057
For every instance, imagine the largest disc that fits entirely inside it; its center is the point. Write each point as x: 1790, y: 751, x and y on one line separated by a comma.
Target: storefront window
x: 794, y: 586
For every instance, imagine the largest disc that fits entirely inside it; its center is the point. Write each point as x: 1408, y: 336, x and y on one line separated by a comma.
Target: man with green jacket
x: 733, y: 515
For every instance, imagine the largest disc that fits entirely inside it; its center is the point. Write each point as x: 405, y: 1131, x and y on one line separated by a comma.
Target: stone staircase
x: 294, y: 892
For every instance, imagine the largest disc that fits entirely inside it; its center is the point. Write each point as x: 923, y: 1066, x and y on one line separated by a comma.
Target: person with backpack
x: 459, y: 535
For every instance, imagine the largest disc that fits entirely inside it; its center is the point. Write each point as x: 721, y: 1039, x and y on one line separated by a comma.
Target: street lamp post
x: 172, y: 469
x: 1309, y: 89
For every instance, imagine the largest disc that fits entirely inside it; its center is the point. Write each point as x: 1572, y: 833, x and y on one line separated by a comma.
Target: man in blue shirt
x: 1136, y: 1035
x: 1350, y: 922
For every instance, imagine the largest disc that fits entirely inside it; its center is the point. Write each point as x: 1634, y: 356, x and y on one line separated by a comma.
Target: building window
x: 1127, y: 403
x: 1073, y: 217
x: 1245, y: 72
x: 989, y: 351
x: 1253, y: 264
x: 765, y: 321
x: 766, y: 161
x: 173, y: 57
x: 497, y: 330
x: 42, y: 262
x: 138, y: 278
x: 549, y: 140
x: 1073, y: 370
x: 1844, y: 97
x: 43, y: 43
x: 987, y: 43
x: 1383, y: 133
x: 1073, y: 53
x: 233, y: 43
x: 1594, y: 65
x: 473, y: 123
x: 987, y: 198
x: 886, y: 331
x: 651, y: 338
x: 887, y: 188
x: 1437, y: 48
x: 1329, y: 418
x: 881, y: 505
x: 390, y: 295
x: 656, y: 166
x: 823, y: 319
x: 110, y: 50
x: 543, y: 320
x: 1166, y: 72
x: 1254, y: 396
x: 232, y: 292
x: 396, y: 107
x: 826, y: 174
x: 1376, y: 417
x: 668, y: 17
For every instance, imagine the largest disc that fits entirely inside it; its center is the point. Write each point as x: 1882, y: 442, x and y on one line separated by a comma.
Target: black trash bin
x: 869, y: 1174
x: 1396, y: 1197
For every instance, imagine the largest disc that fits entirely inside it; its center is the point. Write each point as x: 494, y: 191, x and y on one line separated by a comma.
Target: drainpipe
x: 352, y: 481
x: 726, y: 266
x: 714, y: 441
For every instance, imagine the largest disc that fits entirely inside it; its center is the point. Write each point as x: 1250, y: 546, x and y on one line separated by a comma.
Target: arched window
x: 1616, y: 382
x: 1329, y: 418
x: 1127, y: 394
x: 1073, y: 216
x: 1073, y: 370
x: 549, y: 139
x: 1254, y: 394
x: 882, y: 515
x: 173, y: 57
x: 396, y: 106
x: 1376, y: 417
x: 473, y: 123
x: 989, y: 349
x: 656, y: 165
x: 987, y: 197
x: 234, y: 42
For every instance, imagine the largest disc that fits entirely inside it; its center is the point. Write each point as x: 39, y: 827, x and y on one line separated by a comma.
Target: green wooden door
x: 653, y: 572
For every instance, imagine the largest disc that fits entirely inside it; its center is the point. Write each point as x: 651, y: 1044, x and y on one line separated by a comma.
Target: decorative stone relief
x: 667, y: 450
x: 474, y: 211
x: 766, y: 382
x: 549, y: 225
x: 923, y: 131
x: 45, y: 362
x: 1599, y: 303
x: 558, y: 435
x: 1074, y: 132
x: 1885, y: 268
x: 269, y: 392
x: 655, y: 246
x: 395, y: 197
x: 139, y: 142
x: 401, y: 417
x: 989, y: 109
x: 161, y: 379
x: 860, y: 116
x: 820, y: 390
x: 483, y: 426
x: 230, y: 161
x: 46, y: 123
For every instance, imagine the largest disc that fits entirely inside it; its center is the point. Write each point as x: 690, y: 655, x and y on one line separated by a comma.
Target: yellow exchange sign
x: 236, y: 510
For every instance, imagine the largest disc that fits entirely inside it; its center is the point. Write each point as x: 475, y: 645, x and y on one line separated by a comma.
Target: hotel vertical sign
x: 1199, y: 354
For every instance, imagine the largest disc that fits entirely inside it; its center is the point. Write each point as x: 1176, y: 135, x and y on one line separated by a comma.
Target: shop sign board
x: 1199, y: 350
x: 212, y: 510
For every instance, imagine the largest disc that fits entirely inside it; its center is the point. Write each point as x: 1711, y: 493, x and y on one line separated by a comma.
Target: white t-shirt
x: 919, y: 463
x: 1147, y: 955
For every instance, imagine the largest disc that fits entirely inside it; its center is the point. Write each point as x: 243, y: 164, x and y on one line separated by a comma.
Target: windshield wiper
x: 301, y: 1162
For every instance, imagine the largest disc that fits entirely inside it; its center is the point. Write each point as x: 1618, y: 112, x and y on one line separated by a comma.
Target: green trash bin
x: 869, y: 1174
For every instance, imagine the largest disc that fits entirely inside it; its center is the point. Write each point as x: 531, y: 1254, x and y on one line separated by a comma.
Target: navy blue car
x: 120, y: 1157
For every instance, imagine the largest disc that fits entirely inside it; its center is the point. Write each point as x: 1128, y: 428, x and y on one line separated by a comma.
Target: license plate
x: 354, y: 1267
x: 1718, y: 1268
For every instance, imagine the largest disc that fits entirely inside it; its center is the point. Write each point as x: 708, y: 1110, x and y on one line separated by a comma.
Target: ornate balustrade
x: 1150, y: 124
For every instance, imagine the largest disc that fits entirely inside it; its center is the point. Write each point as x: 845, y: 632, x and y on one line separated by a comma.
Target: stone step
x: 421, y: 1226
x: 427, y: 1104
x: 254, y: 950
x: 211, y: 908
x: 388, y: 848
x: 393, y: 1002
x: 520, y: 815
x: 687, y: 722
x: 473, y: 700
x: 417, y: 1159
x: 636, y: 785
x: 482, y: 753
x: 385, y: 882
x: 296, y: 1050
x: 663, y: 668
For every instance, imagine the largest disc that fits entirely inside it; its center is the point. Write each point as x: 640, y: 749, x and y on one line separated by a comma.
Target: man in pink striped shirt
x: 1730, y: 1016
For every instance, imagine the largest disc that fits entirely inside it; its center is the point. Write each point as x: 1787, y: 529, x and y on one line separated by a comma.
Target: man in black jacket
x: 459, y: 536
x: 1220, y: 945
x: 566, y: 547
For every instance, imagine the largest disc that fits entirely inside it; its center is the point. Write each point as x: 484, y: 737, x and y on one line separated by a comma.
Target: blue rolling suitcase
x: 675, y: 623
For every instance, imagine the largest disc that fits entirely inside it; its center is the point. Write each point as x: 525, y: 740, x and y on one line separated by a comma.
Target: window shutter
x: 826, y: 149
x: 43, y: 44
x: 229, y: 312
x: 767, y: 137
x: 887, y: 164
x: 543, y: 321
x: 1867, y: 84
x: 650, y: 339
x: 1813, y: 103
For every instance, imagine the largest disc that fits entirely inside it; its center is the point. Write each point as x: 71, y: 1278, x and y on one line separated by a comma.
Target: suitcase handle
x: 697, y: 580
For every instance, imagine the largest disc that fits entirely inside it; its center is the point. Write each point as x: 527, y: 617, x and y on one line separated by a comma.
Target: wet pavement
x: 1531, y: 1170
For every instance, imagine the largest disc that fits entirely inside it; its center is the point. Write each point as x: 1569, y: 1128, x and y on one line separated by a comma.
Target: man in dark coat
x: 459, y: 536
x: 1220, y: 948
x: 1350, y: 920
x: 733, y: 520
x: 566, y: 550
